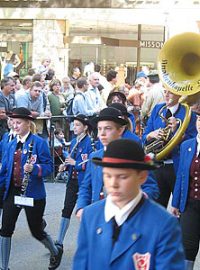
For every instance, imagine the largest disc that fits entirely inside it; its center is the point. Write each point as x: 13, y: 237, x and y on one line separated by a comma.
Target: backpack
x: 69, y: 107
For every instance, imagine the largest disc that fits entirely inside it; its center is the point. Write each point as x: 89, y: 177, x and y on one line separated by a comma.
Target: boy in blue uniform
x: 22, y: 173
x: 127, y: 230
x: 111, y: 125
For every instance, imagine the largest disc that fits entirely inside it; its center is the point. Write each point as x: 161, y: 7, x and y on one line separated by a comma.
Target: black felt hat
x: 82, y: 118
x: 125, y: 153
x: 110, y: 114
x: 22, y: 113
x: 121, y: 107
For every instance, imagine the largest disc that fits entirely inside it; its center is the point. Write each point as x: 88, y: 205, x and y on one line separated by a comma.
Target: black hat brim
x: 97, y: 119
x: 136, y: 166
x: 21, y: 116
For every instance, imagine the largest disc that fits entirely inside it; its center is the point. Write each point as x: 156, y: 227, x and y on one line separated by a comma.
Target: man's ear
x: 143, y: 176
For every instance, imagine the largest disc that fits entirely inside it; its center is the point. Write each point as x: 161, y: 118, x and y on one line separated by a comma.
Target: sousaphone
x: 179, y: 71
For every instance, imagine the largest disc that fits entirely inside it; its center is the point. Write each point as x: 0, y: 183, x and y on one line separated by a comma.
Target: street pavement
x: 29, y: 254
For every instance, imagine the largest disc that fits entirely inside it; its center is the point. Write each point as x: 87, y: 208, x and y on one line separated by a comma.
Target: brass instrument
x: 179, y: 71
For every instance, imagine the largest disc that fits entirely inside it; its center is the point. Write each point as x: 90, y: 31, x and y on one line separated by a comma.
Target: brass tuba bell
x: 179, y: 71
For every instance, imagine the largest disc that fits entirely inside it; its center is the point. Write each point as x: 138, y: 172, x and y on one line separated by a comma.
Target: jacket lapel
x: 190, y: 151
x: 128, y: 237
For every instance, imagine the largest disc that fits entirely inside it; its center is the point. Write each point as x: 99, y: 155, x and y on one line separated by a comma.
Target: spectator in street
x: 67, y: 89
x: 26, y: 84
x: 76, y: 73
x: 32, y: 100
x: 7, y: 102
x: 154, y: 95
x: 111, y: 77
x: 12, y: 63
x: 56, y: 100
x: 93, y: 97
x: 44, y: 66
x: 80, y: 105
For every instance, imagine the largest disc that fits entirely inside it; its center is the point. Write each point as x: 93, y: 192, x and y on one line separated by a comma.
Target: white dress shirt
x: 112, y: 210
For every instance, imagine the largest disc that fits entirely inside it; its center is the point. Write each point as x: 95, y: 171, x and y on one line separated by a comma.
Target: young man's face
x: 21, y: 126
x: 109, y: 131
x: 123, y: 184
x: 170, y: 98
x: 35, y: 92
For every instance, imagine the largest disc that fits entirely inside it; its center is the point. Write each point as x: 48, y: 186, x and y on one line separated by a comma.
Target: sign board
x: 151, y: 44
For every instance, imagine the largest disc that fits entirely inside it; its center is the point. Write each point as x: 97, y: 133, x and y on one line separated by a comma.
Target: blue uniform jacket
x: 155, y: 122
x: 127, y: 134
x: 42, y: 166
x: 91, y: 187
x: 84, y: 148
x: 3, y: 144
x: 132, y: 119
x: 181, y: 189
x: 151, y: 234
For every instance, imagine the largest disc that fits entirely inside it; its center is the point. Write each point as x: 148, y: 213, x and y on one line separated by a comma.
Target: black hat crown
x: 22, y: 113
x: 82, y: 118
x: 121, y: 107
x: 110, y: 114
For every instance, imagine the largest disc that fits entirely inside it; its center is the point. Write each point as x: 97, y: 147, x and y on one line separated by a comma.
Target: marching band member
x: 186, y: 196
x: 127, y: 230
x: 22, y: 173
x: 110, y: 125
x: 75, y: 163
x: 170, y: 110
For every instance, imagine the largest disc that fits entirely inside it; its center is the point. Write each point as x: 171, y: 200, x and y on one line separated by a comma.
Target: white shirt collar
x: 11, y: 132
x: 111, y: 210
x: 173, y: 109
x: 23, y: 139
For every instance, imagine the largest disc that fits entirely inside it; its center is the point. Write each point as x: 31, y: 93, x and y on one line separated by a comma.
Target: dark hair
x: 50, y: 74
x: 154, y: 78
x: 120, y: 95
x: 100, y: 87
x: 36, y: 83
x: 52, y: 83
x: 26, y: 79
x: 6, y: 80
x: 112, y: 74
x: 97, y: 68
x: 31, y: 71
x: 58, y: 130
x: 81, y: 82
x: 37, y: 77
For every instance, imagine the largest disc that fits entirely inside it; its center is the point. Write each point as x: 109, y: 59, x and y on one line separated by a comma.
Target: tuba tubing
x: 179, y: 71
x: 177, y: 136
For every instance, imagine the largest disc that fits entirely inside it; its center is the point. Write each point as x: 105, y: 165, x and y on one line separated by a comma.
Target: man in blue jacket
x: 25, y: 163
x: 171, y: 110
x: 127, y: 230
x: 111, y: 125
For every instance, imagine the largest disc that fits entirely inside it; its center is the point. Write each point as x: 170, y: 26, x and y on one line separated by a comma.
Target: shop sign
x: 151, y: 44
